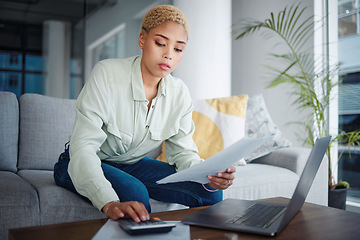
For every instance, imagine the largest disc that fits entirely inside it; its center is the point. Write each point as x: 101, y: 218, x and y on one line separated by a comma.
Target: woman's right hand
x: 133, y: 209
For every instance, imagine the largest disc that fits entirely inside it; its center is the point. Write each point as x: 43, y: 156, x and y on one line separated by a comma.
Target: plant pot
x: 337, y: 198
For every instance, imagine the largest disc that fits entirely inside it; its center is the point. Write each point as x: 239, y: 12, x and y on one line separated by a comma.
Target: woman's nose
x: 167, y: 54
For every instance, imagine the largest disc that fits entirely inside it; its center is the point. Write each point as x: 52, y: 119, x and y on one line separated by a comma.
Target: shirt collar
x: 137, y: 84
x: 136, y: 80
x: 162, y: 86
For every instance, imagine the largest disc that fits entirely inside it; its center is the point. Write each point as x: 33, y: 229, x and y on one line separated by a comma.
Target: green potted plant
x: 312, y: 84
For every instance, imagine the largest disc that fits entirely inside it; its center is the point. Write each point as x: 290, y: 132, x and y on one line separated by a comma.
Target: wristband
x: 209, y: 190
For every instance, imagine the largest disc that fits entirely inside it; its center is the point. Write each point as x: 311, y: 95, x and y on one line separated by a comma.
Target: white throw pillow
x: 258, y: 123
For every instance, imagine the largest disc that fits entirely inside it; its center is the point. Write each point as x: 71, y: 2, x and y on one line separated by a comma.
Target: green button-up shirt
x: 113, y: 123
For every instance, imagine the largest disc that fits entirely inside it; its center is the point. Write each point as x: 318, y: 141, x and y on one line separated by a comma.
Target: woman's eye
x: 159, y: 44
x: 178, y: 50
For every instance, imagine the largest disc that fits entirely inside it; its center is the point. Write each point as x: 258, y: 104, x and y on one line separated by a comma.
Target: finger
x: 219, y: 183
x: 129, y: 210
x: 225, y: 175
x: 141, y: 211
x: 137, y: 210
x: 112, y: 212
x: 116, y: 213
x: 217, y: 186
x: 218, y: 180
x: 231, y: 169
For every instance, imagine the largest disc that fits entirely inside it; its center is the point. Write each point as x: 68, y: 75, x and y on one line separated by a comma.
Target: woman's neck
x: 151, y: 89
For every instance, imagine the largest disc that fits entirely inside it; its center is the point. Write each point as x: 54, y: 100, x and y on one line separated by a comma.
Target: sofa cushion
x: 219, y: 122
x: 19, y: 205
x: 58, y: 204
x: 259, y: 123
x: 9, y: 131
x: 45, y: 126
x: 257, y: 181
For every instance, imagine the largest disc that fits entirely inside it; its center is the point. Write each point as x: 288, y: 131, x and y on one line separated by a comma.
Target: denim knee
x: 126, y: 186
x: 137, y: 192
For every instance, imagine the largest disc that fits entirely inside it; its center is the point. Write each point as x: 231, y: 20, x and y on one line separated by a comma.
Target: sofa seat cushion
x: 19, y: 204
x: 257, y: 181
x: 61, y: 205
x: 56, y: 203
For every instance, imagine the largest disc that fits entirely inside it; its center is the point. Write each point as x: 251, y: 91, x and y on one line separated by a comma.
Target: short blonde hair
x: 161, y: 14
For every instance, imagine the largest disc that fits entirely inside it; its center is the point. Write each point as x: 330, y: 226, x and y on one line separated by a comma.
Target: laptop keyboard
x: 258, y: 215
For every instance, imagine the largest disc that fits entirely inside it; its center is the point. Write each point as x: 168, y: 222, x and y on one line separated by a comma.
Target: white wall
x: 206, y: 66
x: 250, y: 55
x: 109, y: 18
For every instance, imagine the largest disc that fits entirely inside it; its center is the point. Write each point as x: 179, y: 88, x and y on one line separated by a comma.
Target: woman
x: 127, y: 108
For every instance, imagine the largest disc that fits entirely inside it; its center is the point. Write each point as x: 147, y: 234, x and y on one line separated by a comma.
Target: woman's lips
x: 164, y: 66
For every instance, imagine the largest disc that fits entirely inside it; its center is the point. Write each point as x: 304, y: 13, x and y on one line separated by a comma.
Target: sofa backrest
x: 45, y: 126
x: 9, y: 131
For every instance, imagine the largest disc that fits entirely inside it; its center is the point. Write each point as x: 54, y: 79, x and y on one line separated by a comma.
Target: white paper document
x: 218, y: 162
x: 111, y: 231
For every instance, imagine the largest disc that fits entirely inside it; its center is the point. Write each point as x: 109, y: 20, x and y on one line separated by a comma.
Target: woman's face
x: 163, y: 49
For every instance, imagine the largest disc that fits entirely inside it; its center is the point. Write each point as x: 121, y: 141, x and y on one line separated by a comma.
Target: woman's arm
x: 92, y: 113
x: 87, y: 137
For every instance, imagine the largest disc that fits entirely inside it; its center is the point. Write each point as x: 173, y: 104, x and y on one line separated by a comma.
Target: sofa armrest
x: 292, y: 158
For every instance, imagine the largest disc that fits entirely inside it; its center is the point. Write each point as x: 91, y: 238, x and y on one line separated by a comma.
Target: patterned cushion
x: 219, y: 122
x: 258, y: 124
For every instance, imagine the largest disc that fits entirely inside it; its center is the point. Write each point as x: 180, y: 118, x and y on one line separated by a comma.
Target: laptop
x: 258, y: 217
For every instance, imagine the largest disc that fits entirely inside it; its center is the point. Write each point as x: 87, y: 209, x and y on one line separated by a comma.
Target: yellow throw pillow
x: 219, y: 122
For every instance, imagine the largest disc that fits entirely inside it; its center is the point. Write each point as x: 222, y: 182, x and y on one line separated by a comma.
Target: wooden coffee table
x: 312, y: 222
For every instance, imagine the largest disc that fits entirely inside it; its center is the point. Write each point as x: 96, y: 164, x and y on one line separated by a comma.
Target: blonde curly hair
x: 161, y: 14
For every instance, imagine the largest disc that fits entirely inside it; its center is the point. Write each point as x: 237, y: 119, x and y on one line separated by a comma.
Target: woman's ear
x: 141, y: 40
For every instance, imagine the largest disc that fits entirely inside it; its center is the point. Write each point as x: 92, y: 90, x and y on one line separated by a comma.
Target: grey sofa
x: 33, y: 132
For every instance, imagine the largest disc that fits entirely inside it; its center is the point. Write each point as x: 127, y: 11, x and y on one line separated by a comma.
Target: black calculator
x: 153, y: 225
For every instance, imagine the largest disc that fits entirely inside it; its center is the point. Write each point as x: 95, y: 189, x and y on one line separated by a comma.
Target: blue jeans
x: 137, y: 182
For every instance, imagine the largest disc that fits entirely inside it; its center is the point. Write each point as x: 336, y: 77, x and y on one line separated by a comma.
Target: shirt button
x: 147, y: 126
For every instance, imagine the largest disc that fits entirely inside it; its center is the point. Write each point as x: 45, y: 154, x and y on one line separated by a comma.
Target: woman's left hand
x: 222, y: 180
